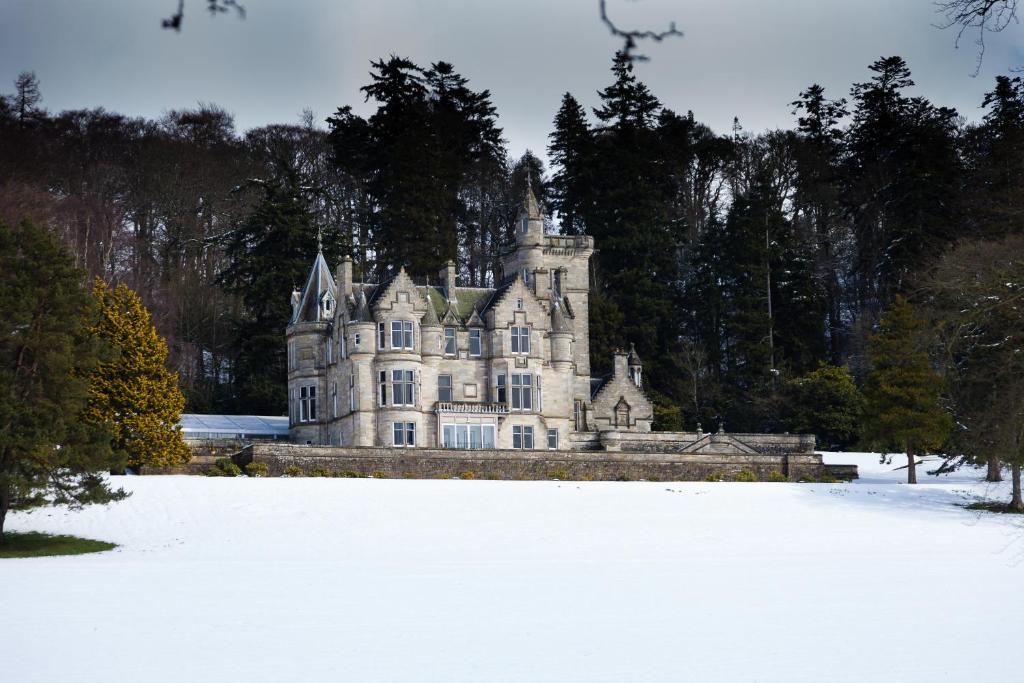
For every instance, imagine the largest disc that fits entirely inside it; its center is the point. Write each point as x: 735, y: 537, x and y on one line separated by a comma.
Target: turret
x: 635, y: 367
x: 430, y: 329
x: 561, y: 337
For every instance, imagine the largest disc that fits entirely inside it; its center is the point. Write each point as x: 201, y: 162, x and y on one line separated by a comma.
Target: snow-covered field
x: 375, y: 580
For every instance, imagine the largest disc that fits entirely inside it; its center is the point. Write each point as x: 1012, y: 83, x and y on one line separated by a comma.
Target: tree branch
x: 631, y: 37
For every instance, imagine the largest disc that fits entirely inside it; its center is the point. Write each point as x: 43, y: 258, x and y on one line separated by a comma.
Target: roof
x: 596, y: 384
x: 318, y: 282
x: 211, y: 426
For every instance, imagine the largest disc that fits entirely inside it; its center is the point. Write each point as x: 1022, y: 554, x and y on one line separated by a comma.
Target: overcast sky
x: 746, y: 58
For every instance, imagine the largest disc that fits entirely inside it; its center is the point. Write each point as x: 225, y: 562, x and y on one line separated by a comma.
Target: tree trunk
x: 1015, y: 502
x: 995, y: 469
x: 3, y: 518
x: 911, y: 466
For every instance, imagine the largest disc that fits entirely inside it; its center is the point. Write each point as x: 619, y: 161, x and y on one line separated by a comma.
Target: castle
x: 401, y: 365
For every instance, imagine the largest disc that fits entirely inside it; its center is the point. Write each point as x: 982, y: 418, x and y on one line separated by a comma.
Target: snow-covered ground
x: 376, y: 580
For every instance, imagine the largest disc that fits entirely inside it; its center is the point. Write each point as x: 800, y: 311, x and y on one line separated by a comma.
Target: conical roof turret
x: 634, y: 358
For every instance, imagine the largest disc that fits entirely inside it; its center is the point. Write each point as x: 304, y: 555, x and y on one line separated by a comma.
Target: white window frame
x: 441, y: 386
x: 403, y: 434
x: 523, y: 436
x: 460, y: 436
x: 403, y: 387
x: 552, y: 439
x: 453, y: 337
x: 402, y: 329
x: 476, y: 337
x: 520, y: 339
x: 307, y: 403
x: 521, y: 392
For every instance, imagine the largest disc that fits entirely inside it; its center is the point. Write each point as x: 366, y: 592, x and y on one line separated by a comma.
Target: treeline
x: 740, y: 265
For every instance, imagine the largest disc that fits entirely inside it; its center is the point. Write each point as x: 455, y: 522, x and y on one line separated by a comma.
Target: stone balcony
x: 473, y: 408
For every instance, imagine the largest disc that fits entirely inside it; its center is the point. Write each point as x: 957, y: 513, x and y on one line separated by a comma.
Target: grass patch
x: 994, y: 506
x: 35, y: 544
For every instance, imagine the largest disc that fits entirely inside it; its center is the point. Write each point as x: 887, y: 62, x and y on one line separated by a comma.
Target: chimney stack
x: 344, y: 278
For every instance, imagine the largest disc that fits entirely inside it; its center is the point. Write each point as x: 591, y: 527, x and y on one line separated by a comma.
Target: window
x: 499, y: 393
x: 449, y: 341
x: 522, y: 437
x: 381, y: 336
x: 382, y: 388
x: 522, y: 391
x: 519, y: 304
x: 552, y: 439
x: 467, y: 436
x: 351, y: 393
x: 577, y: 415
x: 401, y: 387
x: 520, y: 340
x: 307, y: 404
x: 342, y: 351
x: 404, y: 434
x: 334, y: 399
x: 525, y: 225
x: 475, y: 346
x: 556, y: 282
x: 526, y: 276
x: 355, y: 340
x: 330, y: 351
x: 327, y: 305
x: 444, y: 388
x: 401, y: 334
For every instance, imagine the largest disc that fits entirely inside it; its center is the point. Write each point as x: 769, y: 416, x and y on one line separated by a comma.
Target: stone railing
x: 476, y: 408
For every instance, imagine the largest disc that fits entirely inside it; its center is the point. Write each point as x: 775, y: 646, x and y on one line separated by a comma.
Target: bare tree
x: 631, y: 37
x: 977, y: 16
x: 214, y: 7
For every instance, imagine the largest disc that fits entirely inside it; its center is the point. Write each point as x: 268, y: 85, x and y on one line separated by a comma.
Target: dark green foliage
x: 825, y: 402
x: 903, y: 410
x: 49, y: 454
x: 269, y: 255
x: 224, y: 467
x: 256, y: 469
x: 34, y: 544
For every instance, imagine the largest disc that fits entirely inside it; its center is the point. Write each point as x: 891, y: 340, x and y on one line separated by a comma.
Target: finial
x: 721, y: 427
x: 319, y: 239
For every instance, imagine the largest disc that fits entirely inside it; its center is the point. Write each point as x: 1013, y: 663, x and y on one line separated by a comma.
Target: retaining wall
x: 425, y: 463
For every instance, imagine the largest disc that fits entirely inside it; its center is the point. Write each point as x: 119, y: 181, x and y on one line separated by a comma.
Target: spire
x: 362, y: 314
x: 558, y: 323
x: 530, y: 203
x: 634, y: 357
x: 430, y: 317
x: 319, y: 239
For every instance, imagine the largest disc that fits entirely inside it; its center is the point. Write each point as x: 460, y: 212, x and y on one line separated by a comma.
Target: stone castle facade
x: 401, y: 365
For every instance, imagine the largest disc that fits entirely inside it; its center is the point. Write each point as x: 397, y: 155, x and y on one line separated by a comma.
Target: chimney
x: 447, y: 276
x: 621, y: 367
x: 344, y: 278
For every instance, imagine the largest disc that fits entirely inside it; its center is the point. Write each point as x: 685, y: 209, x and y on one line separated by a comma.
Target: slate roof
x: 318, y: 282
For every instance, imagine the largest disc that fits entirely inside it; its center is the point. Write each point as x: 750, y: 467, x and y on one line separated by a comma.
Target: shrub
x: 293, y: 471
x: 827, y: 478
x: 320, y: 472
x: 377, y: 474
x: 826, y: 403
x: 256, y: 469
x: 715, y: 476
x: 558, y: 473
x: 777, y: 475
x: 746, y: 474
x: 348, y: 474
x: 468, y: 474
x: 622, y: 477
x: 227, y: 467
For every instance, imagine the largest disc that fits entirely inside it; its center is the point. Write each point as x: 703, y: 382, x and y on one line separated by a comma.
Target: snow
x: 377, y: 580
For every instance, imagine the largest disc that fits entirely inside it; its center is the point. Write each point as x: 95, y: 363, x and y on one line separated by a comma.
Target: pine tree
x: 569, y: 150
x: 269, y: 254
x: 134, y: 393
x: 825, y: 402
x: 903, y: 393
x: 49, y: 454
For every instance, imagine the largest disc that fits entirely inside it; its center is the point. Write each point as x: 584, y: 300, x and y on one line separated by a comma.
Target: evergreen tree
x: 269, y: 254
x: 903, y: 393
x: 902, y: 179
x: 818, y: 212
x: 825, y: 402
x: 134, y: 393
x: 569, y: 150
x: 49, y: 454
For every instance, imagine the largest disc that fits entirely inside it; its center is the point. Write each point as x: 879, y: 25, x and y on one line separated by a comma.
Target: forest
x: 751, y: 270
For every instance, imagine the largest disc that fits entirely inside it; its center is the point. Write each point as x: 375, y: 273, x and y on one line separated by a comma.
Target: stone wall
x: 505, y: 464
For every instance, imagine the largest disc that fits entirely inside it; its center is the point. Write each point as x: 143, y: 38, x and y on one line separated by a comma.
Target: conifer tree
x: 270, y: 254
x: 49, y: 454
x: 134, y: 393
x: 569, y: 149
x: 903, y: 392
